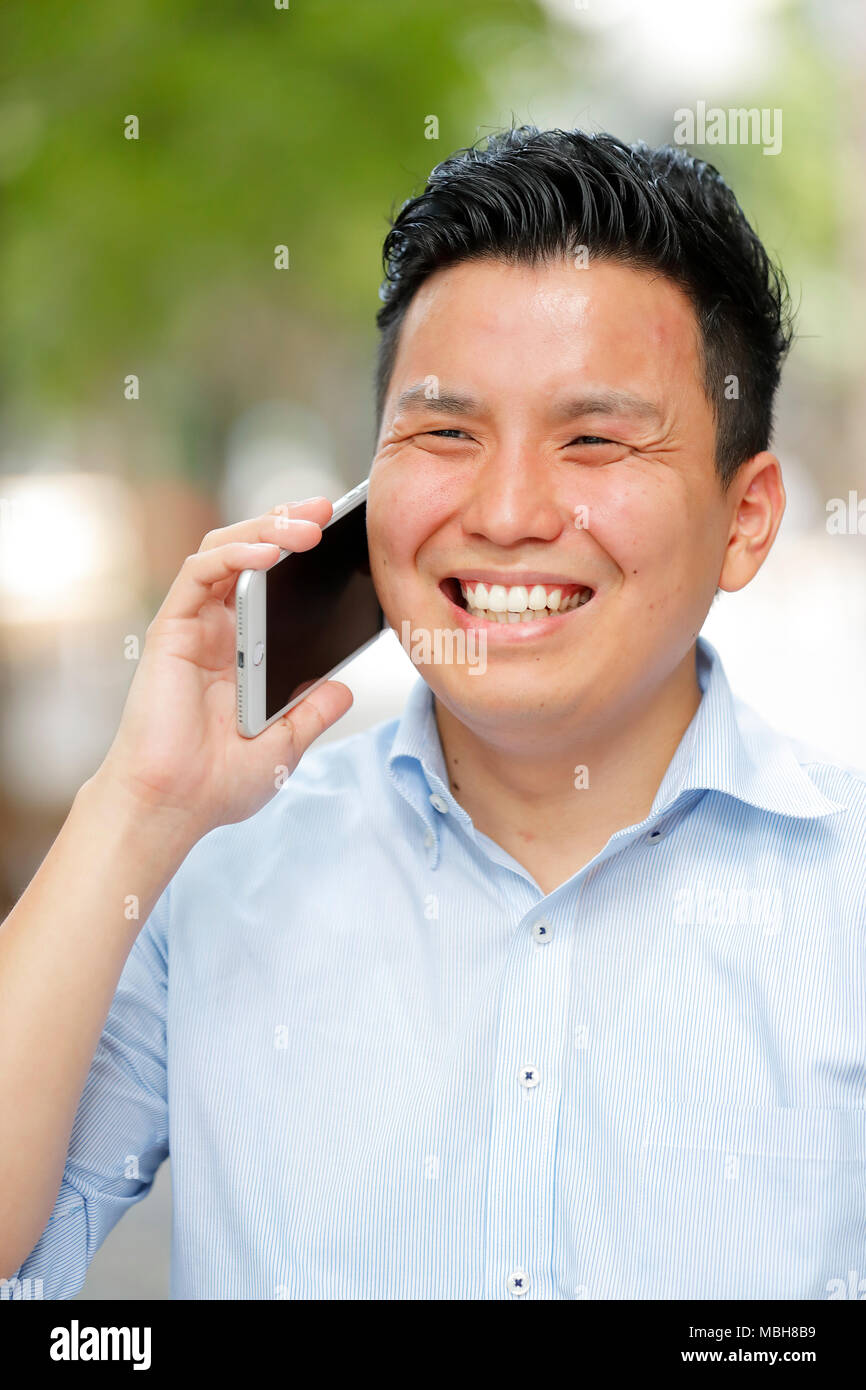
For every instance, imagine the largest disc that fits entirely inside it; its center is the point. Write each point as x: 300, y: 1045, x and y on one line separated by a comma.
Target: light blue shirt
x: 388, y: 1066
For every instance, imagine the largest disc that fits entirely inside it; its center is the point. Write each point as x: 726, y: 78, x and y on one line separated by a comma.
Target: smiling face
x: 546, y: 439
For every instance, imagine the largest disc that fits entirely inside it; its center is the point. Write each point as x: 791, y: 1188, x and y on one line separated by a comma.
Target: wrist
x: 124, y: 816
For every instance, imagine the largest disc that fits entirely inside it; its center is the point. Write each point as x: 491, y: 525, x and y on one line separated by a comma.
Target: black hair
x: 525, y: 195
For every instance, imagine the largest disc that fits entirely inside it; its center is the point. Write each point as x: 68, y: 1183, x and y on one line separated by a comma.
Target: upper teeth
x: 518, y: 599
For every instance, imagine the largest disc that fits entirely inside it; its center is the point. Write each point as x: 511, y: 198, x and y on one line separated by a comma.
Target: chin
x: 506, y: 695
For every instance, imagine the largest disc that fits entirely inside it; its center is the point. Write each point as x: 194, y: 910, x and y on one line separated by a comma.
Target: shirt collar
x: 726, y: 748
x: 729, y: 748
x: 416, y: 765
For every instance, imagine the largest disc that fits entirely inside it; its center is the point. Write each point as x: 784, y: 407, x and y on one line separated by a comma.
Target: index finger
x: 200, y: 572
x: 279, y: 524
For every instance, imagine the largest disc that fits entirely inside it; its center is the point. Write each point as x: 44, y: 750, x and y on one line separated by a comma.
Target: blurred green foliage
x: 258, y: 127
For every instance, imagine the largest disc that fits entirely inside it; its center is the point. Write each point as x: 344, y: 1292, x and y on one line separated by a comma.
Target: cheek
x: 638, y: 522
x: 408, y: 504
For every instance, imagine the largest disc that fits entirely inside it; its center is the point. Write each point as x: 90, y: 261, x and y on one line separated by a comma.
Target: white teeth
x: 527, y: 616
x: 498, y: 603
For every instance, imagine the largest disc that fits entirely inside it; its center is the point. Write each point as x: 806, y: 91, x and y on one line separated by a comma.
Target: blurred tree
x: 256, y: 127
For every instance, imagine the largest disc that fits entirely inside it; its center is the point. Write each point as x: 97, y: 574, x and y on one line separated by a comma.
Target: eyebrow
x: 446, y: 402
x: 607, y: 402
x: 602, y: 402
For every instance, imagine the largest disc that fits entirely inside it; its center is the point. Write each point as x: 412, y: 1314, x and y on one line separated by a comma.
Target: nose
x: 513, y: 500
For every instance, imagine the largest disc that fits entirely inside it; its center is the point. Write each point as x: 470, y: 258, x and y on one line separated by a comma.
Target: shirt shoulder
x: 823, y: 768
x: 339, y: 789
x: 842, y: 834
x: 830, y: 843
x: 840, y: 781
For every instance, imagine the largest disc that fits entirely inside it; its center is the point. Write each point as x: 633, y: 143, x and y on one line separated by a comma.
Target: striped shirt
x: 388, y: 1066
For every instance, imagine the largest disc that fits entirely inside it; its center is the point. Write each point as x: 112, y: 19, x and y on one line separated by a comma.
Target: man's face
x: 547, y: 429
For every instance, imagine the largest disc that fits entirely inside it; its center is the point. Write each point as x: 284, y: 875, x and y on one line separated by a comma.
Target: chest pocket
x: 758, y: 1202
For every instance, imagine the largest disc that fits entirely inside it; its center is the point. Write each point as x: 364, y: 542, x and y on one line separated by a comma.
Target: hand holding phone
x: 302, y: 619
x: 177, y: 748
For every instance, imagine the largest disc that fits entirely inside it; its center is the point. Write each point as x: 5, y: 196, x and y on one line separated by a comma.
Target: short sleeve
x: 120, y: 1134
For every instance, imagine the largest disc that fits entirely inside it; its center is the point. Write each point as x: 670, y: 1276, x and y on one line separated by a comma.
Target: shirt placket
x: 527, y: 1094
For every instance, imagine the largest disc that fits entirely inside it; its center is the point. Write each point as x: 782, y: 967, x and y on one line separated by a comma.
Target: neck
x: 528, y: 793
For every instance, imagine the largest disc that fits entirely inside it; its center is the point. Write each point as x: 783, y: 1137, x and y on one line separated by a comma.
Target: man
x: 552, y: 988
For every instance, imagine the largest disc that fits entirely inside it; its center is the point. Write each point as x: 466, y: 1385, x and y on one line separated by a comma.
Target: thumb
x: 291, y: 736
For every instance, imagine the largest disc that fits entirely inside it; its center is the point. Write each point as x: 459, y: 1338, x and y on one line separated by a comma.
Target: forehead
x: 503, y: 324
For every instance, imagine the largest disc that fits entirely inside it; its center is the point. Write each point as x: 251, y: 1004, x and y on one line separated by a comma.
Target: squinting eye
x: 447, y: 434
x: 589, y: 439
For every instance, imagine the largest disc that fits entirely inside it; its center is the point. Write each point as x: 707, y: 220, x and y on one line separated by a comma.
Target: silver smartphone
x: 303, y: 618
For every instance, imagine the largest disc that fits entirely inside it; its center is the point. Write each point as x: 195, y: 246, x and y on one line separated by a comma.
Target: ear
x: 757, y: 501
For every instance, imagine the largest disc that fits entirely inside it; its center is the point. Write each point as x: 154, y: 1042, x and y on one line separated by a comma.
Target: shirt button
x: 542, y: 931
x: 529, y: 1077
x: 438, y: 803
x: 429, y: 839
x: 655, y: 835
x: 518, y: 1282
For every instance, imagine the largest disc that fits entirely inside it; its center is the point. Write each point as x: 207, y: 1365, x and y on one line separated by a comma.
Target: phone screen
x: 320, y: 607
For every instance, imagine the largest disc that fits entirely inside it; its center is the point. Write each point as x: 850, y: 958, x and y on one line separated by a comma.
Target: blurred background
x: 159, y: 376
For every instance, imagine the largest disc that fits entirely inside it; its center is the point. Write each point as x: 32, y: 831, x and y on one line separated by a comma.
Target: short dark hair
x: 525, y: 195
